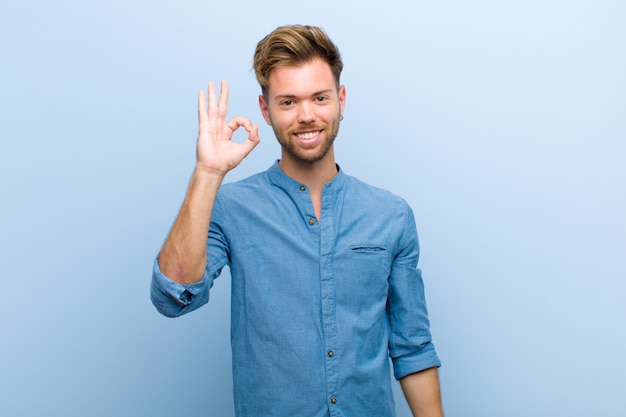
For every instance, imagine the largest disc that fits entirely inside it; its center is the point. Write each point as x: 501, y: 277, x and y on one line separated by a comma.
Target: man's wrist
x: 209, y: 174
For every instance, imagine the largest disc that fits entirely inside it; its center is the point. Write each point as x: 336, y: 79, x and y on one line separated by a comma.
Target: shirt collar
x: 279, y: 178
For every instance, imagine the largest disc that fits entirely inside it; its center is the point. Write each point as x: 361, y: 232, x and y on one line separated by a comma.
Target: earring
x: 341, y: 117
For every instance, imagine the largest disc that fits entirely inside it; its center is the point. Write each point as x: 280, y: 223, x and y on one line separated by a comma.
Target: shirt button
x: 333, y: 400
x: 311, y: 221
x: 331, y: 353
x: 302, y: 188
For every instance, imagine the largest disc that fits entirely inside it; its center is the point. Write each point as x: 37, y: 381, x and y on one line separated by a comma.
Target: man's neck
x: 314, y: 175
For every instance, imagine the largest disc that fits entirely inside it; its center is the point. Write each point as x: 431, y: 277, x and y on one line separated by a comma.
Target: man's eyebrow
x: 293, y: 96
x: 284, y: 96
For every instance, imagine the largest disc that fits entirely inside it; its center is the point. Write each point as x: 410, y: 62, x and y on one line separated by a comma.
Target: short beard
x: 309, y: 158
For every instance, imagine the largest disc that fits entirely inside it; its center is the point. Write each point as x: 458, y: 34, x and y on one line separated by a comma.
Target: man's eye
x: 322, y: 98
x: 287, y: 103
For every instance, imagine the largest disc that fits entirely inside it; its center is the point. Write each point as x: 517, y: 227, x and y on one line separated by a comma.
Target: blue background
x: 503, y: 123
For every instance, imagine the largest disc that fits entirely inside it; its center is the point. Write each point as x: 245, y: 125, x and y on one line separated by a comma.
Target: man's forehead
x: 302, y: 80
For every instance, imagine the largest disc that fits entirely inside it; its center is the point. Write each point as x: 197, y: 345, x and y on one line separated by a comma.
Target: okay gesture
x: 216, y: 152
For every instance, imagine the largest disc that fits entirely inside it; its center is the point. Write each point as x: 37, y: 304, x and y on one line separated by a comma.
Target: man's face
x: 303, y: 107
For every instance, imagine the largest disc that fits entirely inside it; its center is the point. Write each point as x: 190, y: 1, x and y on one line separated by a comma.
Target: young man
x: 325, y: 284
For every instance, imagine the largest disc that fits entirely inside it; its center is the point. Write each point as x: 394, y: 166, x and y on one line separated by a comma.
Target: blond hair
x: 293, y: 46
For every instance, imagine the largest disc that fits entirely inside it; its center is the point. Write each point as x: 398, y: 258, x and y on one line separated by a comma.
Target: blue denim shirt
x: 317, y: 307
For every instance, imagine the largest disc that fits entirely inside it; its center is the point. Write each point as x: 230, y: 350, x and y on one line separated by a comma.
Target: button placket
x: 327, y: 225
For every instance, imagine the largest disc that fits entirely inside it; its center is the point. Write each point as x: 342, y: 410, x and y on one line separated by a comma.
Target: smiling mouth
x: 307, y: 136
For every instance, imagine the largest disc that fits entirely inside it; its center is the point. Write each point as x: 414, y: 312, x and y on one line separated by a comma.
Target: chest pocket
x: 362, y: 272
x: 370, y: 264
x: 367, y: 249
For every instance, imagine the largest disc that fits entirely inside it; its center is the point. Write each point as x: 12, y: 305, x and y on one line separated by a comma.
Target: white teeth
x: 309, y: 135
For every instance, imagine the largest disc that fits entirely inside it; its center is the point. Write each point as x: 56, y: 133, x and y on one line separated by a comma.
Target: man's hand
x: 216, y: 152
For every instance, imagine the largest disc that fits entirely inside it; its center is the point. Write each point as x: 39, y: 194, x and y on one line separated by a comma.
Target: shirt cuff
x: 423, y: 359
x: 173, y: 299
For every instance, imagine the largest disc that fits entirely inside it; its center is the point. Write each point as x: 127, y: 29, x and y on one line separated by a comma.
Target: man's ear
x: 342, y: 98
x: 265, y: 110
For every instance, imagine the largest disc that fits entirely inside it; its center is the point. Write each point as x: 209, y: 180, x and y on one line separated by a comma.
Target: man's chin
x: 307, y: 156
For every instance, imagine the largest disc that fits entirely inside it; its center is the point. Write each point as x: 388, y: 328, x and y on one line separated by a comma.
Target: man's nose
x: 306, y: 113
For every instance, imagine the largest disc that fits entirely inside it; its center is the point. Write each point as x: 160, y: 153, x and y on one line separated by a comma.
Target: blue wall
x: 502, y: 123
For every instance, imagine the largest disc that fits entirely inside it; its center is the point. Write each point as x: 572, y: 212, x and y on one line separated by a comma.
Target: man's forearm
x: 183, y: 256
x: 422, y: 392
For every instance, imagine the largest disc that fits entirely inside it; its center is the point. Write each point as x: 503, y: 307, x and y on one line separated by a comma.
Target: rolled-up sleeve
x: 410, y: 343
x: 173, y: 299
